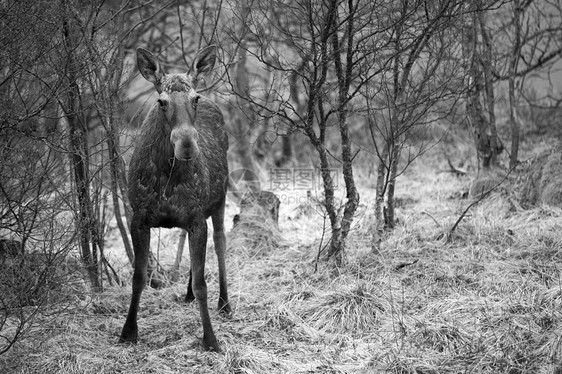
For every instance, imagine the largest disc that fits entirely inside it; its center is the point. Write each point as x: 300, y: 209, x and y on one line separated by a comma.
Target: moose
x: 178, y: 178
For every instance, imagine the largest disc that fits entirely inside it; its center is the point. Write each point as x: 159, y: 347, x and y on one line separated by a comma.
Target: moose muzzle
x: 185, y: 145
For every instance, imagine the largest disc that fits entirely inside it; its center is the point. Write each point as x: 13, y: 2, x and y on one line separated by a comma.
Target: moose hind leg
x: 189, y: 296
x: 141, y: 242
x: 197, y: 252
x: 219, y: 239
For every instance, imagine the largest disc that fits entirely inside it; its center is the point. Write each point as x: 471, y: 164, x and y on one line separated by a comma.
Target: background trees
x: 417, y: 86
x: 324, y: 70
x: 308, y: 87
x: 528, y: 42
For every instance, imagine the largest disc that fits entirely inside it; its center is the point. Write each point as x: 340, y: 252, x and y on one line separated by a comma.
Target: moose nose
x: 185, y: 150
x: 185, y: 144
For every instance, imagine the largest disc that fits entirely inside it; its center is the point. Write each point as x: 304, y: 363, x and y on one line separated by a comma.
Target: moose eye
x: 195, y: 102
x: 163, y: 104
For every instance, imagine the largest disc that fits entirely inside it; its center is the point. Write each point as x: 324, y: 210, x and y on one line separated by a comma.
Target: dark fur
x: 170, y: 193
x: 167, y: 192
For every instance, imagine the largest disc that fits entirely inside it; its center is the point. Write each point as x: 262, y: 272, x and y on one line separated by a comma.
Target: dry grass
x: 487, y: 301
x: 264, y: 237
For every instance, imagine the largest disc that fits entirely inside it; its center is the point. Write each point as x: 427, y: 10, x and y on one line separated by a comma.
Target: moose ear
x: 205, y: 60
x: 148, y: 66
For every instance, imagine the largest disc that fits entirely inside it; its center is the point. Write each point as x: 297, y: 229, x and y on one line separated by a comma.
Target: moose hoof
x: 211, y: 344
x: 189, y: 298
x: 224, y: 309
x: 128, y: 340
x: 129, y: 336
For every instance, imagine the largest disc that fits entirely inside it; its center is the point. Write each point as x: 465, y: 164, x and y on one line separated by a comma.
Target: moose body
x: 177, y: 178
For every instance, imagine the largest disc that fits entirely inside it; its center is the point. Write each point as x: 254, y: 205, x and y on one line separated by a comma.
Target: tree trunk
x: 286, y: 150
x: 80, y: 161
x: 123, y: 186
x: 344, y: 72
x: 514, y: 62
x: 350, y: 188
x: 85, y: 215
x: 114, y: 158
x: 116, y: 164
x: 179, y: 255
x: 242, y: 114
x: 389, y: 218
x: 319, y: 144
x: 329, y: 204
x: 474, y: 110
x: 486, y: 63
x: 340, y: 229
x: 380, y: 190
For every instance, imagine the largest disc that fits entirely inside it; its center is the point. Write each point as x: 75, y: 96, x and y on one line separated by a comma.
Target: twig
x: 404, y: 264
x: 109, y: 267
x: 320, y: 247
x: 433, y: 218
x: 457, y: 171
x: 482, y: 197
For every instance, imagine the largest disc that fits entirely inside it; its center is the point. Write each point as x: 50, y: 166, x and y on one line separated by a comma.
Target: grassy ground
x: 486, y: 301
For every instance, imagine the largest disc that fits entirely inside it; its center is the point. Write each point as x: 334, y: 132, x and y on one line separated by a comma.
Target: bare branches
x: 534, y: 28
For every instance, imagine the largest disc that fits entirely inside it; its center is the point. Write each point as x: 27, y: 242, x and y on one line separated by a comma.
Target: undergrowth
x: 489, y: 300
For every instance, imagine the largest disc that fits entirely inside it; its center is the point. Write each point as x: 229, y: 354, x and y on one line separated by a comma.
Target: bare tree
x: 513, y: 63
x: 36, y: 233
x: 320, y: 56
x: 420, y: 86
x: 480, y: 102
x: 71, y: 84
x: 529, y: 42
x: 505, y: 41
x: 241, y: 111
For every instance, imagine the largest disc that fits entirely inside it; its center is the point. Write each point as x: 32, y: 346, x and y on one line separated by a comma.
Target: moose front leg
x: 197, y: 252
x: 219, y: 239
x: 141, y: 242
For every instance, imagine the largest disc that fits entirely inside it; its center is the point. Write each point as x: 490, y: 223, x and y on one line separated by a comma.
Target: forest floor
x: 487, y: 300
